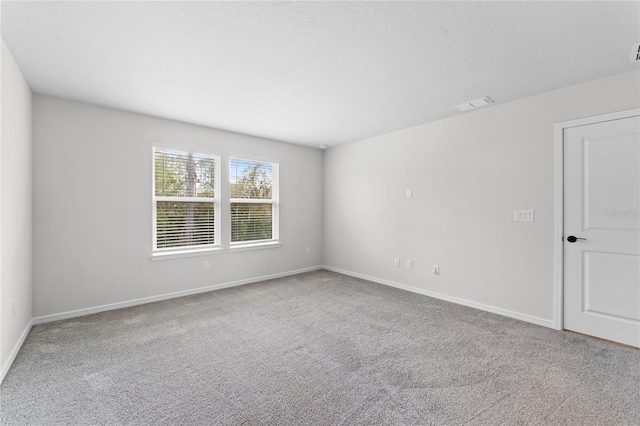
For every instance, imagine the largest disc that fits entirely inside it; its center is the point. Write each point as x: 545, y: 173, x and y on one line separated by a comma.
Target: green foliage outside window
x: 250, y: 222
x: 185, y: 190
x: 254, y: 181
x: 182, y: 223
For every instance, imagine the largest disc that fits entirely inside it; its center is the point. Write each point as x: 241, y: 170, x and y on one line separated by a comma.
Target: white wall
x: 468, y: 173
x: 92, y: 195
x: 16, y: 214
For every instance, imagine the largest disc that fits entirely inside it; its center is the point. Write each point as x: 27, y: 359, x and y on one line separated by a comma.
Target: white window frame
x: 275, y: 209
x: 194, y: 250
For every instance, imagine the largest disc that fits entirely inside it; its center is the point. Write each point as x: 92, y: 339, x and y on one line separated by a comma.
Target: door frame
x: 558, y: 299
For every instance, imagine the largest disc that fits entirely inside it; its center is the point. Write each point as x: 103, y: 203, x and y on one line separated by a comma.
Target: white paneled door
x: 602, y: 230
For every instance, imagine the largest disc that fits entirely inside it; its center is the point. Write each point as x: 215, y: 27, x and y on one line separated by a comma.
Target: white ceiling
x: 313, y: 72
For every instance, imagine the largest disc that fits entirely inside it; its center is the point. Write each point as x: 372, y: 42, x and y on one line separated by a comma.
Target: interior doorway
x: 599, y: 253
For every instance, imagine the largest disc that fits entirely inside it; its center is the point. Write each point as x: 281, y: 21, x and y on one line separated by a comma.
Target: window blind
x: 254, y: 200
x: 185, y: 224
x: 185, y: 174
x: 185, y: 203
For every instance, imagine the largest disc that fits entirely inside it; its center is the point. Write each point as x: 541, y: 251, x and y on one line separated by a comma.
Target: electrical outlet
x: 13, y: 309
x: 409, y: 264
x: 205, y: 265
x: 308, y: 250
x: 409, y: 193
x: 436, y: 270
x: 396, y: 262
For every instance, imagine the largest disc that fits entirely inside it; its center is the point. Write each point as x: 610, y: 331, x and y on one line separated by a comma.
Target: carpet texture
x: 315, y: 349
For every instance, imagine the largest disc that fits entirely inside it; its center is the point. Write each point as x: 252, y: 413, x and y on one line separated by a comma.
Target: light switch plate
x: 523, y: 216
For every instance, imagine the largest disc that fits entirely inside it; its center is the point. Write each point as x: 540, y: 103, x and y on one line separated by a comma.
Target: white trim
x: 559, y: 128
x: 254, y: 246
x: 252, y: 201
x: 488, y: 308
x: 160, y: 297
x: 154, y: 206
x: 177, y: 199
x: 14, y: 352
x: 176, y: 254
x: 558, y: 264
x: 620, y: 115
x: 275, y: 196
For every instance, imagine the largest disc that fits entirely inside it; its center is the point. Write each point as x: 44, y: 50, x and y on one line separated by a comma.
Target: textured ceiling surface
x: 313, y: 72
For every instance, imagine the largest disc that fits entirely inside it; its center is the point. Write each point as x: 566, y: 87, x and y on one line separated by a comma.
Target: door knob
x: 573, y: 239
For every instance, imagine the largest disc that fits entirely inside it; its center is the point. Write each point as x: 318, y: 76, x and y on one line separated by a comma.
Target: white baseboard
x: 500, y: 311
x: 88, y: 311
x: 125, y: 304
x: 14, y: 352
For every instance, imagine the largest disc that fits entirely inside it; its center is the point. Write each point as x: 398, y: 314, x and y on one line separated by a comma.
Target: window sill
x: 254, y: 246
x: 176, y: 254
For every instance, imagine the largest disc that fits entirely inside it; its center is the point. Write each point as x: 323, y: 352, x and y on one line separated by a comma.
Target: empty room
x: 320, y: 213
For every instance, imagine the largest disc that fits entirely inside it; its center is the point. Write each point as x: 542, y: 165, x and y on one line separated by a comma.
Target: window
x: 254, y: 201
x: 186, y: 201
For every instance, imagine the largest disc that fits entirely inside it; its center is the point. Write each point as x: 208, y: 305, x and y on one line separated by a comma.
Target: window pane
x: 251, y: 222
x: 251, y: 179
x: 184, y: 224
x: 184, y: 174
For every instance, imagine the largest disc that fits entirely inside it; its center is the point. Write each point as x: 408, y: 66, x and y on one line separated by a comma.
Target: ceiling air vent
x: 635, y: 53
x: 476, y: 103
